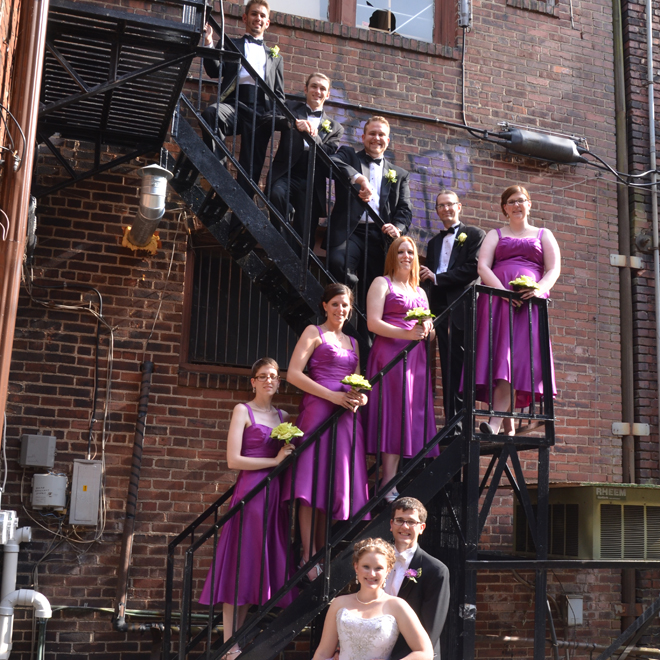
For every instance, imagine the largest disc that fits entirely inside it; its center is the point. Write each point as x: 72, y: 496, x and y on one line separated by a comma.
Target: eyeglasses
x: 400, y: 522
x: 516, y: 202
x: 262, y: 378
x: 445, y: 206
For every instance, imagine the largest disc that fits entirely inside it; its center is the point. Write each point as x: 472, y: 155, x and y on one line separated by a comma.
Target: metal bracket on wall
x: 623, y: 261
x: 623, y: 428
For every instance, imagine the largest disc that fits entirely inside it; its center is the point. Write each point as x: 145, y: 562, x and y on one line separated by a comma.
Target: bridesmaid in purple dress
x: 388, y: 300
x: 518, y: 249
x: 251, y: 450
x: 329, y: 356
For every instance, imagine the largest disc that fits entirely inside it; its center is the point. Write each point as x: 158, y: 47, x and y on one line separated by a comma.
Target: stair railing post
x: 470, y: 499
x: 308, y: 240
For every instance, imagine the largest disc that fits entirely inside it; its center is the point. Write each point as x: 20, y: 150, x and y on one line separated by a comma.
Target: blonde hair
x: 381, y: 546
x: 375, y: 118
x: 392, y: 263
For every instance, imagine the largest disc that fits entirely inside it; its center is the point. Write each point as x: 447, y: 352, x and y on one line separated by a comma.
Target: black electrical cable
x: 95, y: 396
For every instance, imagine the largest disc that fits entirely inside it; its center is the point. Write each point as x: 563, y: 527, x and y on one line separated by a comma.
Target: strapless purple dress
x: 328, y: 365
x: 513, y: 257
x: 258, y: 444
x: 410, y: 421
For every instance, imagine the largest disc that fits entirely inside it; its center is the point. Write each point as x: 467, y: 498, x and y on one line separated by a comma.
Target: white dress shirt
x: 375, y: 182
x: 255, y: 54
x: 398, y: 573
x: 314, y: 122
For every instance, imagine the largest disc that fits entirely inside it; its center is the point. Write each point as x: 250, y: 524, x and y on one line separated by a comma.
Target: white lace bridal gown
x: 365, y: 639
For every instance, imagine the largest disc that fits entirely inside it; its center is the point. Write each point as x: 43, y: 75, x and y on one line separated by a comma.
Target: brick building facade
x: 535, y: 64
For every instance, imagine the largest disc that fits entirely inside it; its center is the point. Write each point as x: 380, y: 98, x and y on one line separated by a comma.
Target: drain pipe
x: 10, y: 560
x: 20, y: 598
x: 119, y: 621
x: 628, y: 585
x: 654, y: 179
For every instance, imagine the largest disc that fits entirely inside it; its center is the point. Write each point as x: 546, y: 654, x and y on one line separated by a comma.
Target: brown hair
x: 391, y: 262
x: 382, y: 120
x: 335, y: 289
x: 381, y: 546
x: 408, y: 504
x: 512, y: 190
x: 446, y: 191
x: 260, y: 3
x: 264, y: 362
x: 318, y: 74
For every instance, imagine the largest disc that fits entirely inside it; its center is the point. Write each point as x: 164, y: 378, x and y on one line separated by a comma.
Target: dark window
x: 229, y: 322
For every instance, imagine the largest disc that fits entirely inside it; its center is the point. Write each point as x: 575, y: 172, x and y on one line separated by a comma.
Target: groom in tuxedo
x: 267, y: 62
x: 289, y: 167
x: 451, y: 267
x: 352, y: 236
x: 417, y: 577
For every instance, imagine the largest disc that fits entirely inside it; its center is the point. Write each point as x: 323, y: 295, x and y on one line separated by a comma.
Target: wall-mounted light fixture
x: 153, y: 194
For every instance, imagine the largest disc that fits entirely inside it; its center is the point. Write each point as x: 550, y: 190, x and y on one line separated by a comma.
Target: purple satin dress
x: 513, y: 257
x: 257, y: 443
x: 419, y: 395
x: 328, y: 365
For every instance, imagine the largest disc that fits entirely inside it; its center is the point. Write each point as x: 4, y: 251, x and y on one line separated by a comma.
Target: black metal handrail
x: 280, y: 114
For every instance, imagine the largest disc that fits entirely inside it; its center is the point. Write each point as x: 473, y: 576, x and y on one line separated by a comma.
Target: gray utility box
x: 37, y: 451
x: 85, y: 492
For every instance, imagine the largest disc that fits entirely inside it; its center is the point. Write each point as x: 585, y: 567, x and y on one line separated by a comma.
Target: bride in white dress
x: 366, y: 624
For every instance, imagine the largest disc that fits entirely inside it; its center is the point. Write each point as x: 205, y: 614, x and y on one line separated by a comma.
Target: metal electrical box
x: 37, y: 451
x: 85, y: 492
x: 49, y: 491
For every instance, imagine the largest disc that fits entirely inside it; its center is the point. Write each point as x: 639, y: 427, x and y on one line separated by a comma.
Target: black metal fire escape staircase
x: 114, y: 80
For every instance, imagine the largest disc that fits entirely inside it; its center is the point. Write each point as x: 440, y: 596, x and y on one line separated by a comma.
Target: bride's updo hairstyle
x: 381, y: 546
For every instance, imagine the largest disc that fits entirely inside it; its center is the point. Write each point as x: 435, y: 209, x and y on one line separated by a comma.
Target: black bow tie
x: 253, y: 40
x: 315, y: 113
x: 451, y: 230
x: 369, y: 159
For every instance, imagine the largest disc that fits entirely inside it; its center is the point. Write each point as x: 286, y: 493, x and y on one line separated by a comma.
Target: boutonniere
x: 391, y: 176
x: 275, y: 51
x: 461, y: 238
x: 413, y: 574
x: 326, y: 126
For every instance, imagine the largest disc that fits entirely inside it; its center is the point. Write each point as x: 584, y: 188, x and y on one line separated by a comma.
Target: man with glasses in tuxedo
x: 417, y: 577
x: 451, y: 267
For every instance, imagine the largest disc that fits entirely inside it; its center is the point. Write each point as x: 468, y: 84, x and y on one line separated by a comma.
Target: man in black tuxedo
x: 326, y: 132
x: 451, y: 267
x: 417, y: 577
x: 385, y: 187
x: 267, y: 62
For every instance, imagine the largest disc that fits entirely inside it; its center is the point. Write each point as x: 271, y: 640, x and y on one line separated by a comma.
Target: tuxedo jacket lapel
x: 384, y: 190
x: 408, y: 584
x: 363, y: 164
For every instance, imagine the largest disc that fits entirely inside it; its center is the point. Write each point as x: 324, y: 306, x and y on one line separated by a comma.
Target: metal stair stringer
x: 274, y: 267
x: 310, y: 602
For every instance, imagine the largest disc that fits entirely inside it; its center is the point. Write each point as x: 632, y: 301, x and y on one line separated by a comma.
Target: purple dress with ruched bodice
x: 400, y: 428
x: 513, y: 257
x: 328, y: 365
x: 257, y: 443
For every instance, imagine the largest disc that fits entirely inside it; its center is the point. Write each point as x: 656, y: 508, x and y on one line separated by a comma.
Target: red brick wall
x: 524, y: 67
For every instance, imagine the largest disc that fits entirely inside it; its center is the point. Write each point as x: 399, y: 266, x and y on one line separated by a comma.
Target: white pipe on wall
x: 19, y: 598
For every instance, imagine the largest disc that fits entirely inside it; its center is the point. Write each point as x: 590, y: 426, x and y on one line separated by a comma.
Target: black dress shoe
x: 486, y: 428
